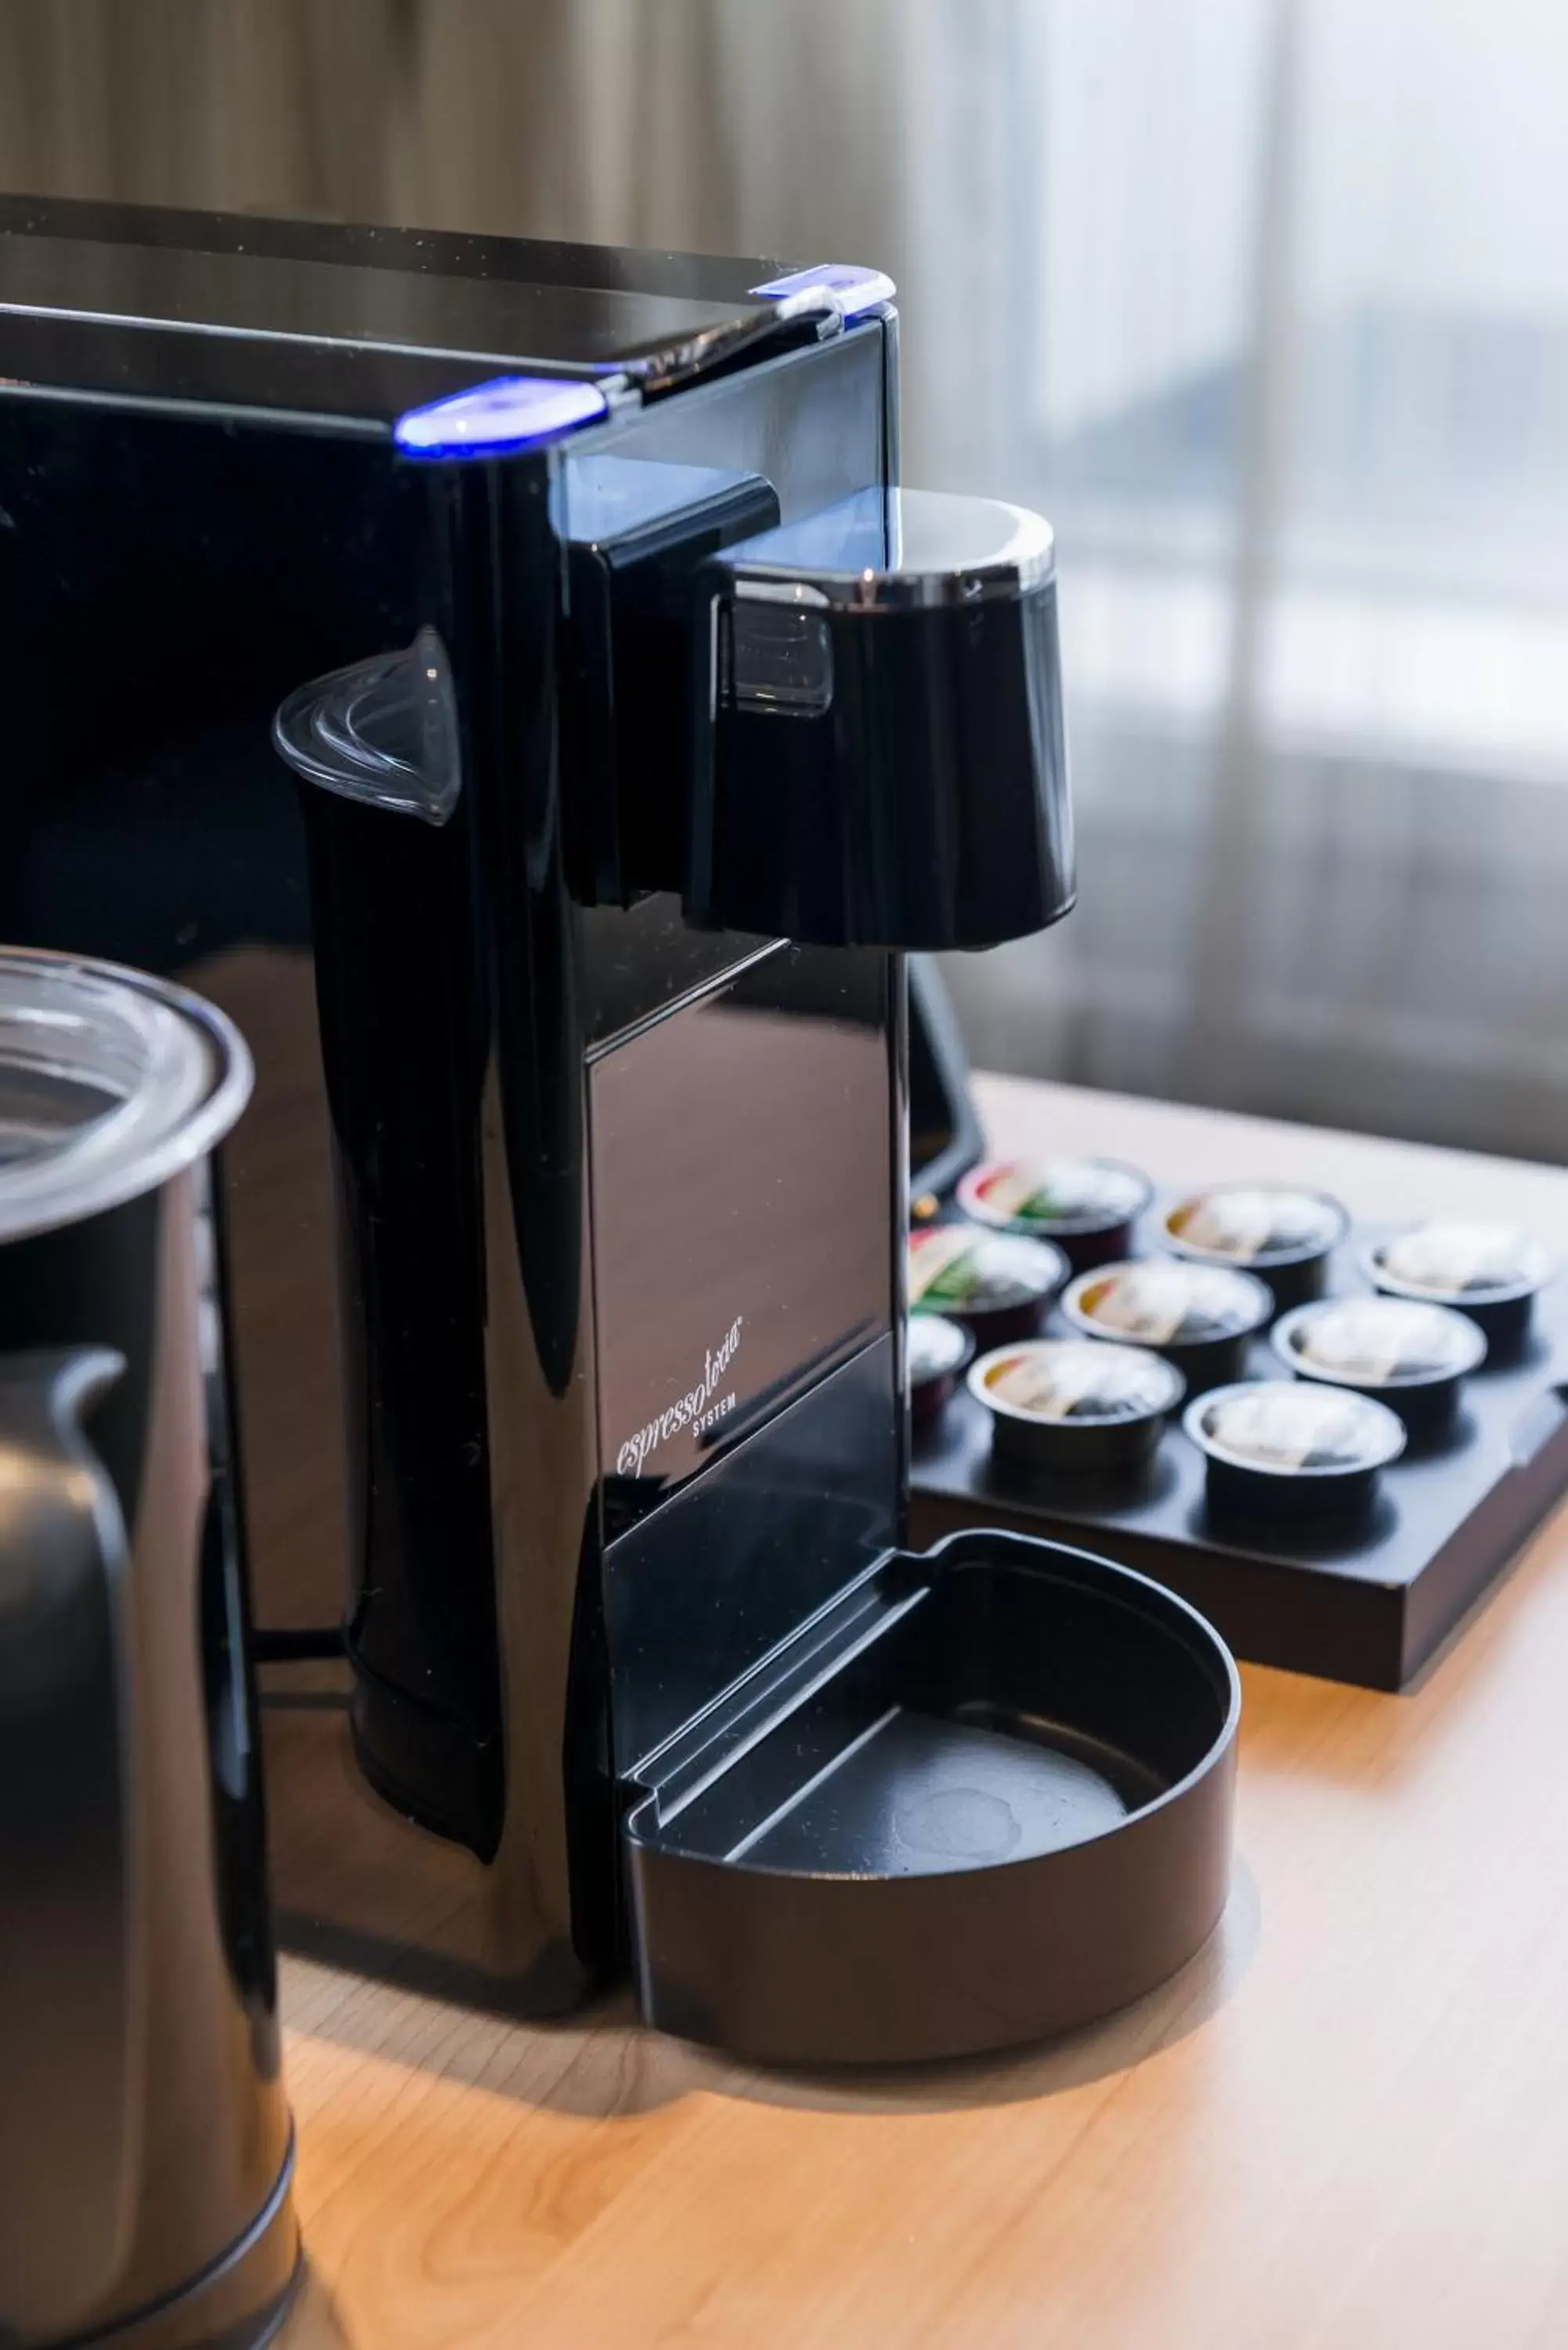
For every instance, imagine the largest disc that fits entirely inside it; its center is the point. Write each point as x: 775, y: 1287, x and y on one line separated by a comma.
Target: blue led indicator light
x: 510, y: 412
x: 853, y: 289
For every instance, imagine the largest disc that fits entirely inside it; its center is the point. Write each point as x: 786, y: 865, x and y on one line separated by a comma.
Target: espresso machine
x: 510, y: 679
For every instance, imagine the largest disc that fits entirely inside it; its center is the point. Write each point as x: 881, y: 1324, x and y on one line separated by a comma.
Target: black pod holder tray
x: 983, y: 1796
x: 1365, y: 1601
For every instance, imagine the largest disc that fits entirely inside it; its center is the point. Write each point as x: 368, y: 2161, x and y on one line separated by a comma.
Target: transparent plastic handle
x: 383, y: 731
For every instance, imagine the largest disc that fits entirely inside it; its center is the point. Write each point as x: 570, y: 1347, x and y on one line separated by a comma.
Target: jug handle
x: 69, y: 1929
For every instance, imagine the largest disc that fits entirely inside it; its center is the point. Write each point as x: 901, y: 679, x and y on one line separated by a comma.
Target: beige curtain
x: 658, y: 121
x: 1263, y: 300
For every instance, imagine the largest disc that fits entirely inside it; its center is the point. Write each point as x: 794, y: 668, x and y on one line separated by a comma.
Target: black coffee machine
x: 507, y: 678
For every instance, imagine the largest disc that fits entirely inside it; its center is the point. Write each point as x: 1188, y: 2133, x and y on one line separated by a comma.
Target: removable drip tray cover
x: 983, y: 1797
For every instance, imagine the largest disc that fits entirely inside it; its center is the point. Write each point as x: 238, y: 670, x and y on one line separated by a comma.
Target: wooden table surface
x: 1343, y: 2128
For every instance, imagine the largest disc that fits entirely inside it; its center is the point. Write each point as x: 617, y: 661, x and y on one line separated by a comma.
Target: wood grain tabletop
x: 1344, y: 2126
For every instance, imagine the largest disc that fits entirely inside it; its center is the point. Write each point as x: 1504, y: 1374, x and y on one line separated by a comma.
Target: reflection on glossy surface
x: 635, y: 531
x: 207, y: 2148
x: 421, y: 317
x: 890, y: 548
x: 600, y: 500
x: 737, y: 1561
x: 742, y: 1210
x: 403, y: 1059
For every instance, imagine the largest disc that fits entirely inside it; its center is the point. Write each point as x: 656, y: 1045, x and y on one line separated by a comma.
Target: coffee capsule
x: 1076, y: 1403
x: 1087, y: 1206
x: 1278, y: 1230
x: 998, y: 1285
x: 1201, y: 1317
x: 1494, y: 1273
x: 1289, y: 1447
x: 937, y: 1352
x: 1412, y: 1356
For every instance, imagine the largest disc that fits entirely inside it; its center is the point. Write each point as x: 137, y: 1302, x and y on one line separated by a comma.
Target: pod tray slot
x: 1366, y: 1602
x: 995, y: 1805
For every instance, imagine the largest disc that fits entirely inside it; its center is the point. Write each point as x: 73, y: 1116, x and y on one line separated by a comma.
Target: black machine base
x: 983, y: 1797
x: 238, y: 2303
x: 1366, y: 1600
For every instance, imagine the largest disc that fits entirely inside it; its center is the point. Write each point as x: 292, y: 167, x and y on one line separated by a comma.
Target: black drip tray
x: 915, y: 1794
x: 984, y: 1798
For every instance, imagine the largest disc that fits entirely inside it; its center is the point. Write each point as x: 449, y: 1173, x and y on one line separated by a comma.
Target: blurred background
x: 1264, y: 302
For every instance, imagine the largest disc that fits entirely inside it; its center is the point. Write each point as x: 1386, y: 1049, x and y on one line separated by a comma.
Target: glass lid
x: 109, y: 1083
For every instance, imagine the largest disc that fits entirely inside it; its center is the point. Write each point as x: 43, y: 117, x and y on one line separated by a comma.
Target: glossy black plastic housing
x: 634, y: 532
x: 900, y: 779
x: 984, y: 1798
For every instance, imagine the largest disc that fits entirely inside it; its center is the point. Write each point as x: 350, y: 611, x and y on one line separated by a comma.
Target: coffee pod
x: 1289, y: 1448
x: 1087, y: 1206
x: 1277, y: 1231
x: 1412, y: 1356
x: 1494, y: 1273
x: 1201, y: 1317
x: 998, y: 1285
x: 1075, y: 1404
x: 937, y: 1352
